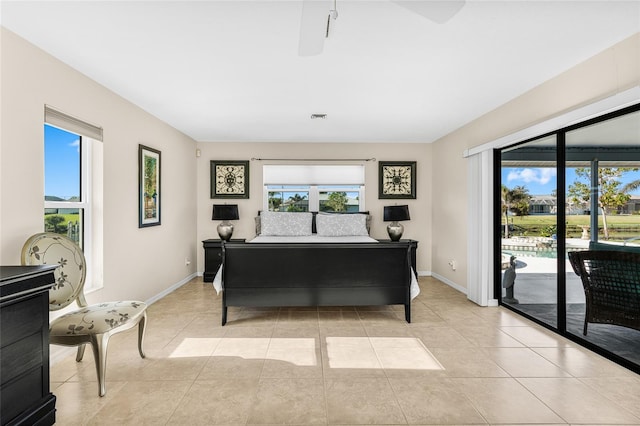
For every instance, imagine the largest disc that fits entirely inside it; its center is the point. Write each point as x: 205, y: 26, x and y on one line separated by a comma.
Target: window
x: 73, y: 186
x: 335, y: 188
x: 288, y: 198
x: 64, y: 199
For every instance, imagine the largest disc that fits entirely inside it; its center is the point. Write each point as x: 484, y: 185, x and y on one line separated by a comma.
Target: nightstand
x: 213, y: 257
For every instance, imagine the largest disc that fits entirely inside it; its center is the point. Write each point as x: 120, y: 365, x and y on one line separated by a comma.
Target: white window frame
x: 304, y: 178
x: 90, y: 184
x: 314, y: 195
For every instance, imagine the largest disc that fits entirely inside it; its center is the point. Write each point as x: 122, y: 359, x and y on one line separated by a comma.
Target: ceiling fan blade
x: 437, y: 11
x: 313, y: 26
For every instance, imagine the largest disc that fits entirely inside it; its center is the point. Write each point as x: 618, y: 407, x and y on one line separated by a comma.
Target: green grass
x: 574, y: 220
x: 72, y: 217
x: 621, y: 227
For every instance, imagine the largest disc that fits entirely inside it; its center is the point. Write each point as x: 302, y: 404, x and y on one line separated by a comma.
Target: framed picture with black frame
x: 397, y: 179
x: 149, y: 189
x: 229, y: 179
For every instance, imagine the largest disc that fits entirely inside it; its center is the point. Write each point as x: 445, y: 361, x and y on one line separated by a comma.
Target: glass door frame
x: 560, y: 160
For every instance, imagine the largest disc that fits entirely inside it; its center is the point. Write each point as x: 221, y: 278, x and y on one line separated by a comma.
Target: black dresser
x: 25, y: 397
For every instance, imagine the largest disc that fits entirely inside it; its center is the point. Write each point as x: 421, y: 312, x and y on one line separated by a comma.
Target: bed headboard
x: 313, y: 220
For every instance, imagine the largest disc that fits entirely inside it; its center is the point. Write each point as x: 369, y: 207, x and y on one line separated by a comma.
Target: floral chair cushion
x: 49, y: 249
x: 97, y: 319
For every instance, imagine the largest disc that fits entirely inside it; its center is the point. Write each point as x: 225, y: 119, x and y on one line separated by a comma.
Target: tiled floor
x: 456, y: 363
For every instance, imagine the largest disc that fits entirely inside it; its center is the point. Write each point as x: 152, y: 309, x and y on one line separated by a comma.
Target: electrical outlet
x: 187, y: 262
x: 453, y: 264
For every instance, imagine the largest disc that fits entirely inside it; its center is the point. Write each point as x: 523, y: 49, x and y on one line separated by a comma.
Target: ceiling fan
x: 319, y: 16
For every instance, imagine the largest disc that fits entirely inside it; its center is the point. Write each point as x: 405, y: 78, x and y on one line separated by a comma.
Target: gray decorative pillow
x: 341, y: 225
x: 287, y: 224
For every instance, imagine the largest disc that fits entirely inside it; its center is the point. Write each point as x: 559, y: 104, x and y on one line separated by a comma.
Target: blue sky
x: 542, y: 180
x: 62, y: 163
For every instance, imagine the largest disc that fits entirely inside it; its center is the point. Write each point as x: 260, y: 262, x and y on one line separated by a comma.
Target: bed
x: 304, y: 259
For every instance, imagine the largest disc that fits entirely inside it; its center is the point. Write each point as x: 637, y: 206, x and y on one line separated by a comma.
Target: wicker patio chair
x: 611, y: 281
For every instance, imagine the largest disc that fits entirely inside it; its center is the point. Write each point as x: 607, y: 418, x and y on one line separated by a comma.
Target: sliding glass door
x: 603, y: 206
x: 529, y: 228
x: 575, y: 189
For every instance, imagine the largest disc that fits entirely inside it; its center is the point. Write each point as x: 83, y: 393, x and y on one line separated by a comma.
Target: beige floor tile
x: 467, y: 362
x: 289, y: 401
x: 295, y: 318
x: 504, y: 400
x: 292, y: 362
x: 362, y: 401
x: 576, y: 402
x: 523, y: 362
x: 434, y: 401
x: 581, y: 363
x: 339, y: 330
x: 142, y: 402
x: 398, y: 330
x: 536, y: 337
x: 163, y: 369
x: 442, y: 337
x: 78, y: 402
x: 344, y: 365
x: 215, y: 402
x: 231, y: 367
x: 380, y: 318
x: 243, y: 347
x: 338, y: 317
x: 499, y: 316
x: 624, y: 391
x: 486, y: 337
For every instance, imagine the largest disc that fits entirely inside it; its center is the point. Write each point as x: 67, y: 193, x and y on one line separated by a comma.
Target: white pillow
x: 287, y: 224
x: 341, y: 225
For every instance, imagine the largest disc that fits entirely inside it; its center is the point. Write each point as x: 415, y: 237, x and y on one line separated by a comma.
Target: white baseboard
x: 424, y: 273
x: 58, y: 353
x: 171, y: 289
x: 450, y: 283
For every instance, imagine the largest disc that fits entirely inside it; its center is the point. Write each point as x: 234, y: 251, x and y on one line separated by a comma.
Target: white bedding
x: 313, y: 239
x: 217, y: 281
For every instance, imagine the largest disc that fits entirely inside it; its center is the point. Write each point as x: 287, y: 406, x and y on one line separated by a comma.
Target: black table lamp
x: 395, y: 214
x: 225, y: 213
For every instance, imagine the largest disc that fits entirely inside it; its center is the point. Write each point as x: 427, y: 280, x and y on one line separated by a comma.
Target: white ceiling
x: 230, y: 70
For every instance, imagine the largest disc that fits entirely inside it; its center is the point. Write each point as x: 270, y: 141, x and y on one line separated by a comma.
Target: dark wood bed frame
x: 317, y: 274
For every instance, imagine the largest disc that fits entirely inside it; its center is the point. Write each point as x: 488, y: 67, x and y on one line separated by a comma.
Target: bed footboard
x: 316, y: 274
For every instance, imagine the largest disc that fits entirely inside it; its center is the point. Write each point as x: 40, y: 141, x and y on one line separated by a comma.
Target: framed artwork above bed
x: 397, y: 179
x: 229, y: 179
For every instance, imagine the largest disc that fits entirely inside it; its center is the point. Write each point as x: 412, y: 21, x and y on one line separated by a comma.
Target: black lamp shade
x: 396, y: 213
x: 225, y: 212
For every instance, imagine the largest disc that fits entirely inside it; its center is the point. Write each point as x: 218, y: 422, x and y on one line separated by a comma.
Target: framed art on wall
x: 148, y: 186
x: 229, y: 179
x: 397, y: 179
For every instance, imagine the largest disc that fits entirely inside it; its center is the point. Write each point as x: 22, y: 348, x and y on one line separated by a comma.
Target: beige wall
x: 418, y: 228
x: 141, y: 263
x: 138, y: 263
x: 606, y: 74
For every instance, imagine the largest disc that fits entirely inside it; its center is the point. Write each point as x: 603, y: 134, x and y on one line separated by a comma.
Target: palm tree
x: 515, y: 200
x: 631, y: 186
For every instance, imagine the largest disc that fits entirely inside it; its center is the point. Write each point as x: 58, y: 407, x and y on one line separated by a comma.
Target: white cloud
x: 76, y: 144
x: 538, y: 175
